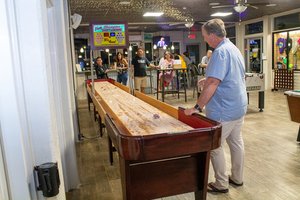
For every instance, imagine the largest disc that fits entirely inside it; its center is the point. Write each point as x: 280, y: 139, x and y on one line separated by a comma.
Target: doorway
x: 194, y: 53
x: 148, y: 50
x: 134, y: 46
x: 253, y: 55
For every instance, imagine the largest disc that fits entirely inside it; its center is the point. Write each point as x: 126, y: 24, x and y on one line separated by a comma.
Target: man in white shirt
x: 161, y: 43
x: 204, y: 61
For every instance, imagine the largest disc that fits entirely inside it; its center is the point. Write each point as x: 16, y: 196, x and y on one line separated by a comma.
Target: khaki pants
x: 231, y: 132
x: 140, y: 83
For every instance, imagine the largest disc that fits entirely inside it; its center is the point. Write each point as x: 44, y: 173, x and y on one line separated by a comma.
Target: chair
x: 195, y: 72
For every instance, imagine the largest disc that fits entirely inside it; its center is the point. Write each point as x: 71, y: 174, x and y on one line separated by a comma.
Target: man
x: 186, y: 57
x: 161, y: 43
x: 101, y: 70
x: 224, y: 95
x: 139, y: 64
x: 205, y: 59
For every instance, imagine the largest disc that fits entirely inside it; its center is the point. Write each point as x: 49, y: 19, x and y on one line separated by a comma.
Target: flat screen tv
x: 161, y: 41
x: 108, y: 35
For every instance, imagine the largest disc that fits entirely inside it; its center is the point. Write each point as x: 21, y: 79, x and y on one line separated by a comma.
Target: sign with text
x: 109, y: 35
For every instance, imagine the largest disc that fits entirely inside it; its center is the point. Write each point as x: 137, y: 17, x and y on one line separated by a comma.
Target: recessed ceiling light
x: 221, y: 14
x: 214, y: 4
x: 271, y: 5
x: 124, y: 2
x: 153, y: 14
x: 184, y: 8
x: 133, y: 27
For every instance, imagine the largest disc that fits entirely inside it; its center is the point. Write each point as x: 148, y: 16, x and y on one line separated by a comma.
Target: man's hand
x: 190, y: 111
x: 201, y: 83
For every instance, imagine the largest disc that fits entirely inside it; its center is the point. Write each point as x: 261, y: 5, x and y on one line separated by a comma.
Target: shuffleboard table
x: 162, y: 152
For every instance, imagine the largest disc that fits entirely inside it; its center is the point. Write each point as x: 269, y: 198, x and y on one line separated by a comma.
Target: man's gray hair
x: 215, y: 26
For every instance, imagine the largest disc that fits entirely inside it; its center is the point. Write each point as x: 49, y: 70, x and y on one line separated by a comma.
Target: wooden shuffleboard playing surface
x: 139, y: 117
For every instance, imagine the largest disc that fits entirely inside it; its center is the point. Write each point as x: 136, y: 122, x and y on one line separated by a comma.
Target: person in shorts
x: 139, y: 64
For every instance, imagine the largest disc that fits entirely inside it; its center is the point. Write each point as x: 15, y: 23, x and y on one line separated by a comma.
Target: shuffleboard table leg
x: 95, y: 113
x: 202, y: 157
x: 110, y: 151
x: 298, y: 138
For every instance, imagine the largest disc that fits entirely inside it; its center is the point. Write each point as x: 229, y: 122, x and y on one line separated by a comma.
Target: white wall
x: 36, y: 98
x: 17, y: 118
x: 3, y: 178
x: 63, y: 89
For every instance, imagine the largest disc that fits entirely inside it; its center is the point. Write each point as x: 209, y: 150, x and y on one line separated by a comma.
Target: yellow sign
x: 107, y: 35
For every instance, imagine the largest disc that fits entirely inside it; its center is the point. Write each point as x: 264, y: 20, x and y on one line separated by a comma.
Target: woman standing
x: 122, y: 67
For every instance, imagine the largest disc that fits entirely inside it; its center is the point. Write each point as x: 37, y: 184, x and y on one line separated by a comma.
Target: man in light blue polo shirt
x: 225, y: 99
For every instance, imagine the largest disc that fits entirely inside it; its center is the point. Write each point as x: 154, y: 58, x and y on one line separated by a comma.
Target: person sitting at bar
x: 166, y: 63
x: 204, y: 61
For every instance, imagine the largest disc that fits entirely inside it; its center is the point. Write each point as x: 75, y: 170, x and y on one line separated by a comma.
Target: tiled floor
x: 272, y: 162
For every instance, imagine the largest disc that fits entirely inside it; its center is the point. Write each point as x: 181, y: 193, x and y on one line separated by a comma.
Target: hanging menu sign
x: 109, y: 35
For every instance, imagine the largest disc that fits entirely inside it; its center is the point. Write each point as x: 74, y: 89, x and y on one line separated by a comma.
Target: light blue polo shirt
x: 229, y: 102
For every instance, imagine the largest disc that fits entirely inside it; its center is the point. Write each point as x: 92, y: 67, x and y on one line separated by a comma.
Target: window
x: 287, y: 21
x: 230, y: 34
x: 254, y: 28
x: 286, y: 50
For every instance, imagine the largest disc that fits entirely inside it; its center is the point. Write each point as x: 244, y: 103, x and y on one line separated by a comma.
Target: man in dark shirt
x: 101, y: 70
x: 139, y: 64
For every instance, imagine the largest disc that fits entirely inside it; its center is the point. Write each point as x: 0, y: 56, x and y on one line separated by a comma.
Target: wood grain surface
x: 135, y: 114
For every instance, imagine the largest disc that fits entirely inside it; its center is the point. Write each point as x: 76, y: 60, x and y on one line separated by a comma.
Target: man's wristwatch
x: 197, y: 107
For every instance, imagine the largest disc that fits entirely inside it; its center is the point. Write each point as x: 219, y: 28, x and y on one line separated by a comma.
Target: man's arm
x: 152, y: 65
x: 125, y: 64
x: 203, y: 65
x: 210, y: 87
x: 149, y: 64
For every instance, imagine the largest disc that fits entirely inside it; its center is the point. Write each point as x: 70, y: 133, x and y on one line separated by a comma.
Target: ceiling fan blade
x: 200, y: 22
x: 249, y: 5
x: 224, y: 6
x: 180, y: 27
x: 176, y: 23
x: 259, y: 4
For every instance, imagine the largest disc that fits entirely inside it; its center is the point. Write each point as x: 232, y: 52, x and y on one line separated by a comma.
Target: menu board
x: 109, y: 35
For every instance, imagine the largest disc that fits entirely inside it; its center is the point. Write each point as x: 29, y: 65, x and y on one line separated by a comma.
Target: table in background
x: 178, y: 83
x: 293, y: 98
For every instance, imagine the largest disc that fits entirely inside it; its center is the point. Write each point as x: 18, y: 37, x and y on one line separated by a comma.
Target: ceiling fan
x: 188, y: 23
x: 240, y: 5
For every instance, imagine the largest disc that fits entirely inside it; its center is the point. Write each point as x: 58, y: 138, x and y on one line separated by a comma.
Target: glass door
x: 253, y: 57
x: 193, y: 50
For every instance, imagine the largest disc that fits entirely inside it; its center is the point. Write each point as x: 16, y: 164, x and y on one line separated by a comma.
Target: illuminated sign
x: 192, y: 36
x: 109, y: 35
